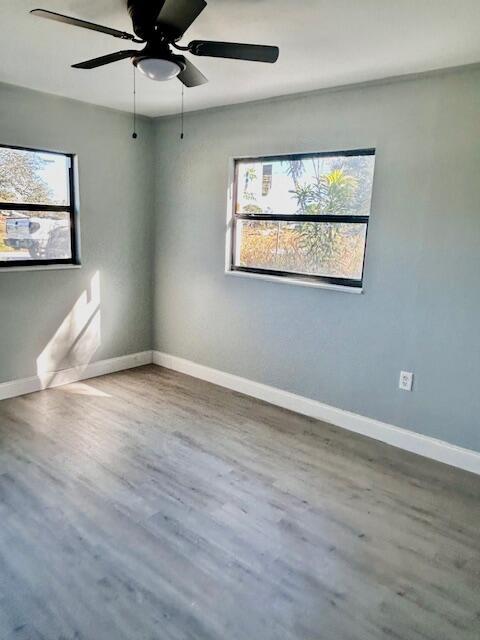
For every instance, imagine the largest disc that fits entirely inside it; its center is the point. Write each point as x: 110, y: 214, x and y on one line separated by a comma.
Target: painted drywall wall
x: 421, y: 306
x: 62, y: 318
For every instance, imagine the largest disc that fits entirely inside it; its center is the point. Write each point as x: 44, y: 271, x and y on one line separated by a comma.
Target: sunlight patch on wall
x: 76, y: 339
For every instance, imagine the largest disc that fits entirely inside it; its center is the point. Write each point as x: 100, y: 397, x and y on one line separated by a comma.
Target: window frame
x: 291, y: 276
x: 72, y: 209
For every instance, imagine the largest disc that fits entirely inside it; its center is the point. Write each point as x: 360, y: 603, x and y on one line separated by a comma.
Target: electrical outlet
x: 406, y: 381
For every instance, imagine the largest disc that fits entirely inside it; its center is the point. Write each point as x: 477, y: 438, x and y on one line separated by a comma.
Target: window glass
x: 336, y: 185
x: 34, y: 177
x: 303, y: 215
x: 37, y: 215
x: 310, y: 248
x: 34, y: 235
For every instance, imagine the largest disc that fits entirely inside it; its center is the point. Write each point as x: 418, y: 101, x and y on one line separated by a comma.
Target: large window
x: 37, y: 208
x: 303, y: 217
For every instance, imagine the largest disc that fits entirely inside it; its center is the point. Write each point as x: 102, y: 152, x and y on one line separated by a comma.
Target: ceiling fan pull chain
x: 134, y: 134
x: 181, y: 135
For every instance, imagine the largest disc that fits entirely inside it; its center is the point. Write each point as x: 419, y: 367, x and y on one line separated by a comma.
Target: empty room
x: 239, y: 318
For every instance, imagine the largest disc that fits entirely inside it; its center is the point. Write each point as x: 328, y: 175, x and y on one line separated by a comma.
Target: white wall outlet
x: 406, y: 381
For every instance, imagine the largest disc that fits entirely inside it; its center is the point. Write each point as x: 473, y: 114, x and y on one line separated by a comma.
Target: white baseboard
x: 396, y: 436
x: 67, y: 376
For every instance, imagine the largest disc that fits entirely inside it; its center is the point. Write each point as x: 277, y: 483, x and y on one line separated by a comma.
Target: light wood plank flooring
x: 147, y: 505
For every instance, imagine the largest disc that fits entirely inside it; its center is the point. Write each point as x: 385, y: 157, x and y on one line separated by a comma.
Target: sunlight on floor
x: 76, y: 339
x: 82, y: 389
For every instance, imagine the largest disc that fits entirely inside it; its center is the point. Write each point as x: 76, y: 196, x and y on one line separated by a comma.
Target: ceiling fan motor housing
x: 144, y: 14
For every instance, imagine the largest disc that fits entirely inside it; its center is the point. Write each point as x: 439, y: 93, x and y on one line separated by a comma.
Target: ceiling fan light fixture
x: 158, y: 68
x: 160, y: 25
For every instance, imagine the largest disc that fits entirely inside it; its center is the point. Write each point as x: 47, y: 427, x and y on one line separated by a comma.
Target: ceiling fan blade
x: 177, y: 15
x: 235, y: 50
x: 191, y: 76
x: 99, y: 62
x: 76, y: 22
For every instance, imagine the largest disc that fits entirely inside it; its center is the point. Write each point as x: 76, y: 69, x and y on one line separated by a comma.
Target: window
x: 37, y: 208
x: 302, y: 216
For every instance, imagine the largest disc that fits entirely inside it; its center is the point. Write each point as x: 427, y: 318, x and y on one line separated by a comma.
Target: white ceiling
x: 322, y: 44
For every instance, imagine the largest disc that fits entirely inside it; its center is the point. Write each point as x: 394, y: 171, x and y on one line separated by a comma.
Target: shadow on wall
x: 76, y: 339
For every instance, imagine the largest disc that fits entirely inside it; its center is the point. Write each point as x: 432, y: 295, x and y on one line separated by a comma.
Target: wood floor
x: 149, y: 505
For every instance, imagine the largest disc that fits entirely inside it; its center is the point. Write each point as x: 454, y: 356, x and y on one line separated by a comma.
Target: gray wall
x: 421, y: 307
x: 116, y: 196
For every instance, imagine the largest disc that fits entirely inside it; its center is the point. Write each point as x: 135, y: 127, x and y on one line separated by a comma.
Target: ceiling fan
x: 160, y: 24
